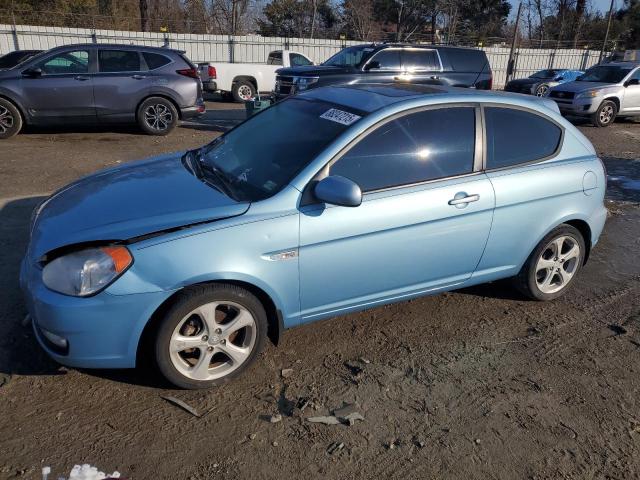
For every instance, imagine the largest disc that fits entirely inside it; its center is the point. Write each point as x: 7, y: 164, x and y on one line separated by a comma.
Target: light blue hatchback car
x: 332, y: 201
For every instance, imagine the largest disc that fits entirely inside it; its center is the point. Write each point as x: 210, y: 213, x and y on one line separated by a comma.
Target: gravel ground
x: 477, y: 383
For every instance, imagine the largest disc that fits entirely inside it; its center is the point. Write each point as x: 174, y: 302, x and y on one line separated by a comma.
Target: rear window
x: 275, y: 58
x: 155, y: 60
x: 516, y: 136
x: 118, y: 61
x: 465, y: 60
x: 416, y: 59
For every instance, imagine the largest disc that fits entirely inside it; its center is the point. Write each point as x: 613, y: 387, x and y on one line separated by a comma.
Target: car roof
x: 372, y: 97
x: 622, y: 64
x: 119, y: 46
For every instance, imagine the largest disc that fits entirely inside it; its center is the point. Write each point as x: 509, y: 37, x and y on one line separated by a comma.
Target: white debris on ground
x: 87, y: 472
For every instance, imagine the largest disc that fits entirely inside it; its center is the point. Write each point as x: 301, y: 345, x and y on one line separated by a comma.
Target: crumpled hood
x: 313, y: 70
x: 135, y: 199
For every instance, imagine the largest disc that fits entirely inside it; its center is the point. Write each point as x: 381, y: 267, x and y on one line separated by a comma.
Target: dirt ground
x: 477, y: 383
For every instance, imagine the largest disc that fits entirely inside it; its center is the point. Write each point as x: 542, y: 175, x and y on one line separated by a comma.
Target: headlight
x: 588, y: 94
x: 86, y: 272
x: 305, y: 82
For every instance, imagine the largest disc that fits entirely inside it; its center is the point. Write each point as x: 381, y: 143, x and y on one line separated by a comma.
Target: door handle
x: 461, y: 199
x: 434, y: 77
x: 82, y: 78
x: 138, y: 77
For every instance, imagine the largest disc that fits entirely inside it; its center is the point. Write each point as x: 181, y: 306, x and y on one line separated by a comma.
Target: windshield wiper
x: 223, y: 181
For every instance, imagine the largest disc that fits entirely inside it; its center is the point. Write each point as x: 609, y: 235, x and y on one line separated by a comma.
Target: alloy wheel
x: 213, y: 340
x: 158, y: 116
x: 542, y: 90
x: 6, y: 120
x: 606, y: 114
x: 557, y: 264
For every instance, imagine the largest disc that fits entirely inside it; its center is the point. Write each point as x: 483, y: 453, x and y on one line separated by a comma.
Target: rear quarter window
x: 155, y: 60
x: 517, y: 136
x: 275, y: 58
x: 465, y: 60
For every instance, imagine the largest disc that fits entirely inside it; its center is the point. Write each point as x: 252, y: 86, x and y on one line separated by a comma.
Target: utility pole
x: 606, y: 35
x: 510, y: 64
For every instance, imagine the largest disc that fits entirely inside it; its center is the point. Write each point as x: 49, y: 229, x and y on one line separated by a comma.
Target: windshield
x: 349, y: 57
x: 605, y: 74
x: 546, y: 74
x: 259, y: 157
x: 12, y: 59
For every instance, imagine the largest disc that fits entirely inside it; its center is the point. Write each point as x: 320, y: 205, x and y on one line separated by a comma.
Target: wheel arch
x: 161, y: 95
x: 613, y: 99
x: 579, y: 223
x: 274, y: 315
x: 248, y: 78
x: 585, y: 230
x: 16, y: 104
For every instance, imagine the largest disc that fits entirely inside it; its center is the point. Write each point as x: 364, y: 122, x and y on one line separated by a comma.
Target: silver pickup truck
x: 603, y: 93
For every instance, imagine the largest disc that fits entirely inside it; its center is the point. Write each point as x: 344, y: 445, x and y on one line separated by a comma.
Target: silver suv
x: 603, y: 93
x: 99, y: 83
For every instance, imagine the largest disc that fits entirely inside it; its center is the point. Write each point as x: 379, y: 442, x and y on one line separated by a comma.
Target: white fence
x: 254, y: 48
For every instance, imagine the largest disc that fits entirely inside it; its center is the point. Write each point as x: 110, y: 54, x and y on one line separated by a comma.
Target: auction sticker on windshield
x: 339, y: 116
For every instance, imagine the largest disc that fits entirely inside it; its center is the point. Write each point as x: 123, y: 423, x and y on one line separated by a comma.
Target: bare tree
x: 578, y: 20
x: 144, y: 15
x: 358, y: 16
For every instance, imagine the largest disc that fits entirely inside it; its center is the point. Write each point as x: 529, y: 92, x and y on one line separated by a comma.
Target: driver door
x: 384, y: 67
x: 631, y: 99
x: 411, y: 234
x: 63, y: 92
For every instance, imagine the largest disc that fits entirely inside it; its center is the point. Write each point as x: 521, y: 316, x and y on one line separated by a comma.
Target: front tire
x: 157, y: 116
x: 210, y: 335
x: 542, y: 90
x: 10, y: 119
x: 605, y: 115
x: 553, y: 265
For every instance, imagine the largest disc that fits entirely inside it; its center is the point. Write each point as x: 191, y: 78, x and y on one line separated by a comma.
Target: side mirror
x: 633, y: 81
x: 337, y: 190
x: 32, y: 72
x: 372, y: 66
x: 558, y: 78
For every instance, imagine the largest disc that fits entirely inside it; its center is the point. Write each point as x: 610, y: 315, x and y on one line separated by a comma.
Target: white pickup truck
x: 243, y: 80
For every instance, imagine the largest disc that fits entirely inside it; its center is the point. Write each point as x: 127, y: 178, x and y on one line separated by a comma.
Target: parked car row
x: 103, y: 84
x: 602, y: 93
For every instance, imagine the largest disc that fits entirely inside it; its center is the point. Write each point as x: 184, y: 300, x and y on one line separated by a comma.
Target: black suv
x: 391, y: 63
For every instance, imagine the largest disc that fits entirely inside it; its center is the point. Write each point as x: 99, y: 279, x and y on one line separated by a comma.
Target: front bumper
x: 578, y: 106
x: 102, y: 331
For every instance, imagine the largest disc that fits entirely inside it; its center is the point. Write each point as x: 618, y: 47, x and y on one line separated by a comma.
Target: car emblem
x: 560, y: 94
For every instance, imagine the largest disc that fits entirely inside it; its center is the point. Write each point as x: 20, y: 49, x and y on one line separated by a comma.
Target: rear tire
x: 242, y: 90
x: 210, y: 335
x: 553, y: 265
x: 10, y: 119
x: 605, y: 115
x: 157, y: 116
